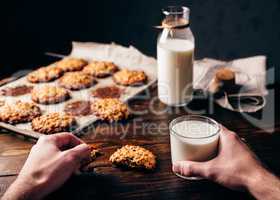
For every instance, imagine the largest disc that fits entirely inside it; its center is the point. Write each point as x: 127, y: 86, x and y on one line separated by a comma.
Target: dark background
x: 223, y: 29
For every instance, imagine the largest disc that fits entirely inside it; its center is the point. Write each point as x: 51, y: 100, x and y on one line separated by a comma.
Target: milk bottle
x: 175, y: 55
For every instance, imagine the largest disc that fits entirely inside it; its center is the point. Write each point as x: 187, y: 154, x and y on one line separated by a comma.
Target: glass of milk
x: 175, y: 56
x: 193, y: 138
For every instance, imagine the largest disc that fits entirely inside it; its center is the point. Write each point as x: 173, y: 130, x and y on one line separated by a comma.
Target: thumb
x: 79, y: 153
x: 191, y: 168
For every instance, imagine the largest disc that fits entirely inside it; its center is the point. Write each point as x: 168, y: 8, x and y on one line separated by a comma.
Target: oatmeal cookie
x: 19, y: 112
x: 134, y: 157
x: 44, y: 74
x: 100, y: 69
x: 224, y: 81
x: 107, y: 92
x: 89, y: 165
x: 49, y: 94
x: 94, y: 154
x: 225, y: 74
x: 76, y: 80
x: 130, y: 77
x: 71, y: 64
x: 110, y: 109
x: 53, y: 123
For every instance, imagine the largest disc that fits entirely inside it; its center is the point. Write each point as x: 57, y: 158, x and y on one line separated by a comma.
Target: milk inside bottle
x: 175, y: 55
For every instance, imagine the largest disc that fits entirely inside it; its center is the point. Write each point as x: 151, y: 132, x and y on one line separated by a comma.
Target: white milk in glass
x: 194, y: 140
x: 175, y: 71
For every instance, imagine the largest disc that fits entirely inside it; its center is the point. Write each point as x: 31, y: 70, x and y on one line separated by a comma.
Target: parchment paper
x: 250, y: 73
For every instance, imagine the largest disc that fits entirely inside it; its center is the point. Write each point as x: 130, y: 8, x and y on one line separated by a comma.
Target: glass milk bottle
x: 175, y: 56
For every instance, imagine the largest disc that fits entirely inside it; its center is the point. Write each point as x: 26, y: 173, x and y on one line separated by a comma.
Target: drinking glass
x: 196, y: 139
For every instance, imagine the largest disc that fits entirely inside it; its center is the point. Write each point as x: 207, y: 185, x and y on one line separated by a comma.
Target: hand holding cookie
x: 51, y: 162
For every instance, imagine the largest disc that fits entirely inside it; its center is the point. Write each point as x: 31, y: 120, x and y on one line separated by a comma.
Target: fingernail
x: 84, y: 145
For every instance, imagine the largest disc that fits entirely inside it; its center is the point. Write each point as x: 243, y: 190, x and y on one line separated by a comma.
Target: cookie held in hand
x: 134, y: 157
x: 89, y: 165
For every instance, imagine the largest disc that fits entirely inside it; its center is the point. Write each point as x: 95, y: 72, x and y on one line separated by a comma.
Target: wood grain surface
x: 148, y: 129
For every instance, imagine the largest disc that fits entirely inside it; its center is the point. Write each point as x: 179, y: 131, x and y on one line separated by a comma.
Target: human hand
x: 234, y: 167
x: 52, y: 160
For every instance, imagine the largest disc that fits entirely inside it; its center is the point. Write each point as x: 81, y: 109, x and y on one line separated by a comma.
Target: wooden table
x: 113, y: 183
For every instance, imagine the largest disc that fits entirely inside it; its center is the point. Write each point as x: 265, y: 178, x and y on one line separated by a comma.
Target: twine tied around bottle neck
x: 173, y: 24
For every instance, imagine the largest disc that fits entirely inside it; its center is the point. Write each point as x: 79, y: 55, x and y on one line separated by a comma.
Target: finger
x: 226, y: 131
x: 227, y: 134
x: 78, y: 153
x: 68, y: 140
x: 190, y: 168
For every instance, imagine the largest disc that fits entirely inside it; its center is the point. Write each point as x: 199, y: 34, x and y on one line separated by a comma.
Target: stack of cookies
x: 58, y: 84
